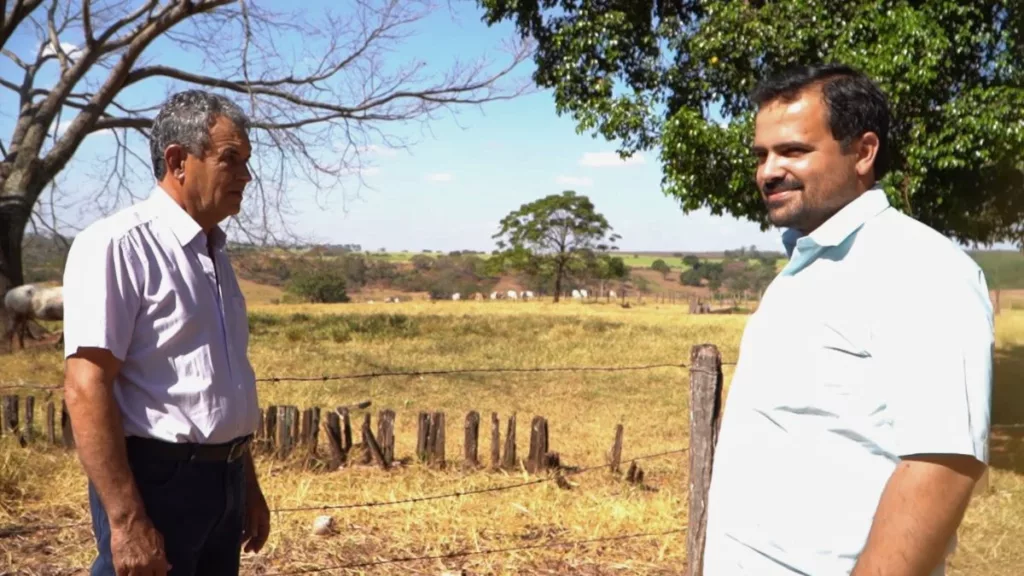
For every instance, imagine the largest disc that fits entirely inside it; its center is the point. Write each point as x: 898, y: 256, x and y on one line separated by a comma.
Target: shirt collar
x: 842, y: 224
x: 182, y: 225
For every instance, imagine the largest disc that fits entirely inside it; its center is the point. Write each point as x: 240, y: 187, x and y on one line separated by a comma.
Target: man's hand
x: 918, y: 515
x: 138, y: 550
x: 256, y: 527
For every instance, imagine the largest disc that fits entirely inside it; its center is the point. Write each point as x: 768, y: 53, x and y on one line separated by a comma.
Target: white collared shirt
x: 141, y: 284
x: 875, y: 342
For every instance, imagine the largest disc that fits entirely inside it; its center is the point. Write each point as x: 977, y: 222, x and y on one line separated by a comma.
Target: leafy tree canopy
x: 560, y: 230
x: 649, y: 74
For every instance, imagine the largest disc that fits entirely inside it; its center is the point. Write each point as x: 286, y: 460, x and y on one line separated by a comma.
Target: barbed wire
x: 21, y: 530
x: 454, y: 371
x: 457, y: 494
x: 483, y: 552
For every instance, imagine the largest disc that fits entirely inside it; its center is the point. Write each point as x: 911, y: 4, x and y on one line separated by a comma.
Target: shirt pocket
x: 841, y: 372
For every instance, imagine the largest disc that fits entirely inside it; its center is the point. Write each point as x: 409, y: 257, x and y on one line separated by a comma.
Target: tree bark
x: 558, y: 283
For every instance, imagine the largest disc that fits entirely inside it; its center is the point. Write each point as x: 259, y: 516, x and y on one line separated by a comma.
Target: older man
x: 158, y: 384
x: 857, y: 420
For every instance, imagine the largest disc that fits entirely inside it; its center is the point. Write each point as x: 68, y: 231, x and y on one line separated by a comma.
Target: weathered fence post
x: 422, y: 436
x: 332, y: 431
x: 346, y: 431
x: 314, y: 429
x: 386, y: 435
x: 509, y: 462
x: 271, y: 434
x: 705, y: 412
x: 471, y: 460
x: 372, y: 447
x: 437, y: 440
x: 260, y: 430
x: 615, y: 458
x: 11, y: 414
x: 495, y: 441
x: 367, y: 454
x: 284, y: 430
x: 30, y: 416
x: 51, y: 412
x: 67, y: 434
x: 538, y: 445
x: 306, y: 429
x: 294, y: 420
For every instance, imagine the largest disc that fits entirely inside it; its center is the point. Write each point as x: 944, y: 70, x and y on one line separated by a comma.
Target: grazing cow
x: 528, y: 295
x: 583, y: 293
x: 611, y: 294
x: 456, y: 296
x: 576, y: 295
x: 32, y: 302
x: 511, y: 294
x: 494, y: 295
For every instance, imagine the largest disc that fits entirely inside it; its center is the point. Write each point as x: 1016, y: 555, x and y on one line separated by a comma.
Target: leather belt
x: 159, y: 449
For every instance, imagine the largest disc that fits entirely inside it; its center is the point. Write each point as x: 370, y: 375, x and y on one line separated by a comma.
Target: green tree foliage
x: 319, y: 285
x: 558, y: 232
x: 648, y: 73
x: 691, y: 260
x: 661, y: 266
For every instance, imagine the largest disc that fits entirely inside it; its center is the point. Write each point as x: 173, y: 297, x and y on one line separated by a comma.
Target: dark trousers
x: 197, y: 506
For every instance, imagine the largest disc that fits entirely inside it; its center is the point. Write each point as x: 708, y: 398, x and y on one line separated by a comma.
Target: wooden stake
x: 372, y: 447
x: 471, y: 460
x: 271, y: 429
x: 30, y: 416
x: 332, y: 432
x: 67, y: 434
x: 11, y: 414
x: 367, y: 456
x: 51, y: 426
x: 314, y: 429
x: 705, y: 411
x: 536, y: 461
x: 386, y: 435
x: 437, y: 440
x: 616, y: 454
x: 284, y: 428
x: 509, y: 461
x: 422, y: 436
x: 495, y: 441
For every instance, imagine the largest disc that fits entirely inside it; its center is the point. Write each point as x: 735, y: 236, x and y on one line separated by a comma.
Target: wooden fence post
x: 271, y: 434
x: 284, y: 429
x: 11, y: 414
x: 705, y: 412
x: 332, y: 431
x: 495, y: 441
x: 306, y: 428
x: 51, y: 426
x: 437, y: 440
x: 386, y: 435
x: 471, y: 460
x: 346, y: 431
x: 294, y: 421
x: 538, y: 445
x: 260, y: 430
x: 422, y: 436
x: 30, y: 416
x: 616, y: 454
x: 67, y: 434
x: 367, y: 454
x: 314, y: 429
x: 509, y: 462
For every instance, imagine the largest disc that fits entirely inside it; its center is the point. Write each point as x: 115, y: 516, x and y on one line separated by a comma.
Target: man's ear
x: 174, y: 159
x: 866, y: 149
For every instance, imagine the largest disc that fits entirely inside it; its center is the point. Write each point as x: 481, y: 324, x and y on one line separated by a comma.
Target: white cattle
x: 456, y: 296
x: 494, y: 295
x: 512, y: 295
x: 611, y: 293
x: 576, y: 294
x: 32, y: 302
x: 528, y: 295
x: 583, y: 293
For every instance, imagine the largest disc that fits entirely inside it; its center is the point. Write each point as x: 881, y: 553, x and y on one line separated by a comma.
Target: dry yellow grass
x: 46, y: 485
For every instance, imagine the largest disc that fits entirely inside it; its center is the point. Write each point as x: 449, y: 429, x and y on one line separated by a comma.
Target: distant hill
x: 44, y: 258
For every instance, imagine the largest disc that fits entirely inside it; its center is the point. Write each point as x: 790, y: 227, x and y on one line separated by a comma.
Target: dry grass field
x: 45, y: 485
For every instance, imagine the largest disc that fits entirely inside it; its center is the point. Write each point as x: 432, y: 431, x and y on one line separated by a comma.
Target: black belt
x: 226, y: 452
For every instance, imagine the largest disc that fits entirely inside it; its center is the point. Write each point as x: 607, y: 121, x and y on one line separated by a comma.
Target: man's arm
x: 918, y: 514
x: 99, y: 436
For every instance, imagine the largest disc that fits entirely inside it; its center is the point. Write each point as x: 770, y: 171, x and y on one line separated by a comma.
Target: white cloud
x: 439, y: 177
x: 609, y: 159
x: 580, y: 181
x: 68, y: 48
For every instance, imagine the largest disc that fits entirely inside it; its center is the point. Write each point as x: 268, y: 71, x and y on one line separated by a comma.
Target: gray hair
x: 185, y: 119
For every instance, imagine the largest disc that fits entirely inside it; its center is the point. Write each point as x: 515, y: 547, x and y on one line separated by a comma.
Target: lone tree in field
x: 661, y: 266
x: 558, y: 232
x: 321, y: 88
x: 651, y: 73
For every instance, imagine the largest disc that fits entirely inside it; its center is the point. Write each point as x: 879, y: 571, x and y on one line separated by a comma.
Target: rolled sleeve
x: 936, y: 369
x: 101, y: 295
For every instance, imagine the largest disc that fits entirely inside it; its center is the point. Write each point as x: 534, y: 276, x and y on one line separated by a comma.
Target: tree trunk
x: 15, y: 210
x: 558, y: 283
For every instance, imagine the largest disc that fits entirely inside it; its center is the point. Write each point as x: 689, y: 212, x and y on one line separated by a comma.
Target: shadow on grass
x: 1007, y: 439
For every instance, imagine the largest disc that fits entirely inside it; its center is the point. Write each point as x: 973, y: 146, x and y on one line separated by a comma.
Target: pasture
x: 45, y: 485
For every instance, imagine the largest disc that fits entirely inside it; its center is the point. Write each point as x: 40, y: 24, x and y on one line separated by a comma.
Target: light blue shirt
x: 142, y: 284
x: 873, y: 343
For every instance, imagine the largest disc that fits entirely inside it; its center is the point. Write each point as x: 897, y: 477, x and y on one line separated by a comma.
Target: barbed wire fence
x: 706, y: 377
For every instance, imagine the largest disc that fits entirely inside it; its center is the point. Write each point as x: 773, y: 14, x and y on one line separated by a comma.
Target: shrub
x: 319, y: 286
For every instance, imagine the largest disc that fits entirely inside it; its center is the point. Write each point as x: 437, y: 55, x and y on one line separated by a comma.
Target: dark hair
x: 855, y: 104
x: 185, y: 119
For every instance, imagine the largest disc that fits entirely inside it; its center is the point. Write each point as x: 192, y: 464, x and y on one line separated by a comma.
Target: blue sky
x: 450, y: 190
